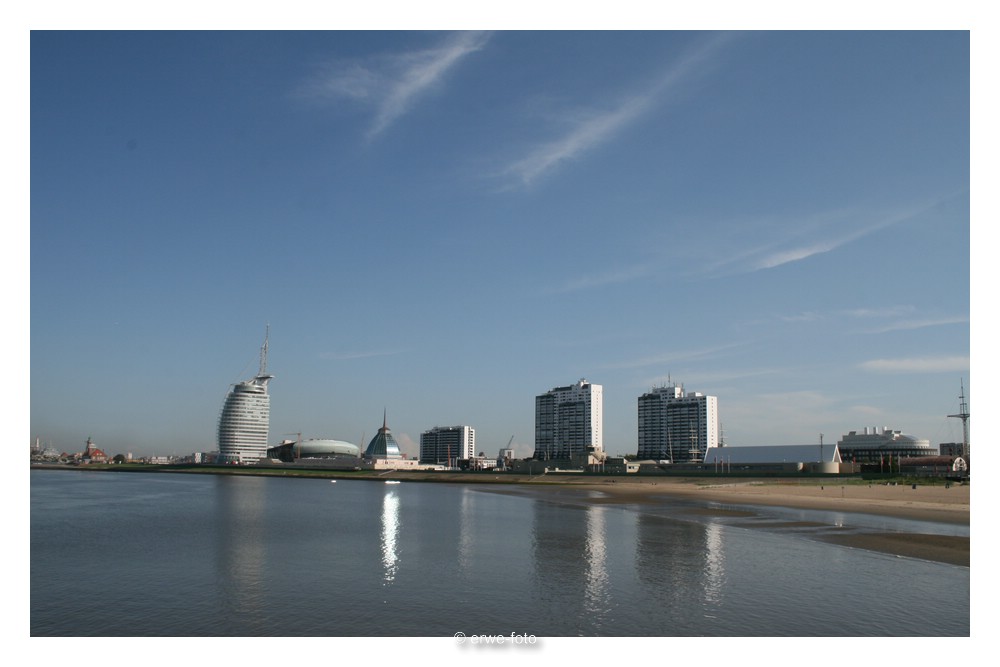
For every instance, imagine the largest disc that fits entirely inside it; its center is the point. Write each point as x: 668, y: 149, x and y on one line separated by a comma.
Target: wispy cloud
x: 612, y: 277
x: 674, y: 357
x: 910, y: 325
x: 712, y: 378
x: 392, y: 84
x: 797, y: 239
x: 808, y: 316
x: 891, y: 318
x: 836, y: 239
x: 888, y: 311
x: 917, y: 365
x: 367, y: 354
x: 598, y: 127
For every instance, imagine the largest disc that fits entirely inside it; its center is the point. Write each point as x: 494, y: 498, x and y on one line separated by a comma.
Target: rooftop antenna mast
x: 963, y: 414
x: 263, y: 351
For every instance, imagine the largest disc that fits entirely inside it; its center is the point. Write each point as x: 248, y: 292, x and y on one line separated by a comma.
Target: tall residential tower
x: 245, y: 417
x: 569, y: 420
x: 447, y: 444
x: 677, y: 427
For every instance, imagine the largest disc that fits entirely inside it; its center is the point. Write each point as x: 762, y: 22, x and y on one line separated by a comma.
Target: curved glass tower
x: 383, y: 445
x: 243, y: 423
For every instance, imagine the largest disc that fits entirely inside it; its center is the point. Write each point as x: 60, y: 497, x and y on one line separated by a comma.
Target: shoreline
x: 929, y: 502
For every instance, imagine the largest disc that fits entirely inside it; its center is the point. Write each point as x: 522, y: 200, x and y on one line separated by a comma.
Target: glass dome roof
x: 383, y: 445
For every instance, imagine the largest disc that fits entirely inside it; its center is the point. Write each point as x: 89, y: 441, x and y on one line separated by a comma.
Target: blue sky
x: 444, y: 225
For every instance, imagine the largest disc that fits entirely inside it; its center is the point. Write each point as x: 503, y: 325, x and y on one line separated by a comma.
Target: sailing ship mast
x: 963, y: 414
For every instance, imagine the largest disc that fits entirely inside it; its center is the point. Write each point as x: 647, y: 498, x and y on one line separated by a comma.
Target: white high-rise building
x: 569, y: 420
x: 245, y: 418
x: 677, y: 427
x: 445, y: 445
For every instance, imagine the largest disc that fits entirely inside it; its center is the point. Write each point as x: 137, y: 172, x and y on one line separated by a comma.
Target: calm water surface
x: 188, y: 555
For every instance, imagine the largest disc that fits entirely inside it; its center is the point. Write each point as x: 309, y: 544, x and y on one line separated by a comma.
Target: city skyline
x: 443, y: 225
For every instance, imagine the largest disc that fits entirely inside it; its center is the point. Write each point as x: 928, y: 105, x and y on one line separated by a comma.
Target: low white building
x: 480, y: 462
x: 392, y: 464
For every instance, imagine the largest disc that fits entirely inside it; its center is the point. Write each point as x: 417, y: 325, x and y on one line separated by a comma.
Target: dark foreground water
x: 190, y: 555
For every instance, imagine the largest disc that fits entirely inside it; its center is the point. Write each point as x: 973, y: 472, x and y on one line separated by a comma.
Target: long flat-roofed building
x: 569, y: 421
x: 677, y: 427
x: 774, y: 458
x: 446, y: 445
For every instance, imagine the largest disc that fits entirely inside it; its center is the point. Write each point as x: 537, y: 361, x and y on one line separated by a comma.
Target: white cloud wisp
x: 392, y: 84
x: 795, y: 240
x: 917, y: 365
x: 600, y: 127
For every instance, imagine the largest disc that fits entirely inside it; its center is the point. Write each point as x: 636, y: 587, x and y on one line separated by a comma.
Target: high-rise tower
x: 677, y: 427
x: 569, y: 420
x: 447, y: 444
x: 245, y: 417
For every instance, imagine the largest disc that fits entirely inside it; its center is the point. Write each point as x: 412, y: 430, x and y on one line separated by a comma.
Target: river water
x: 154, y: 554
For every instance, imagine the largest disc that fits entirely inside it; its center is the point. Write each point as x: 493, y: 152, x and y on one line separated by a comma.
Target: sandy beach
x: 927, y: 503
x: 736, y: 498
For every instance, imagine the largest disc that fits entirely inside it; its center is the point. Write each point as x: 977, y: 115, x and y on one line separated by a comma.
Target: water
x: 116, y: 554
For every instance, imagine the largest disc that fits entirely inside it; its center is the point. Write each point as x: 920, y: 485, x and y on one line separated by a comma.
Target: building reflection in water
x: 240, y: 553
x: 390, y: 533
x: 571, y: 575
x: 597, y: 593
x: 680, y: 561
x: 715, y: 563
x: 466, y: 523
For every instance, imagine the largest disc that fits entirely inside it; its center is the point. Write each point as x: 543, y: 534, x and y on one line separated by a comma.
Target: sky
x: 443, y: 225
